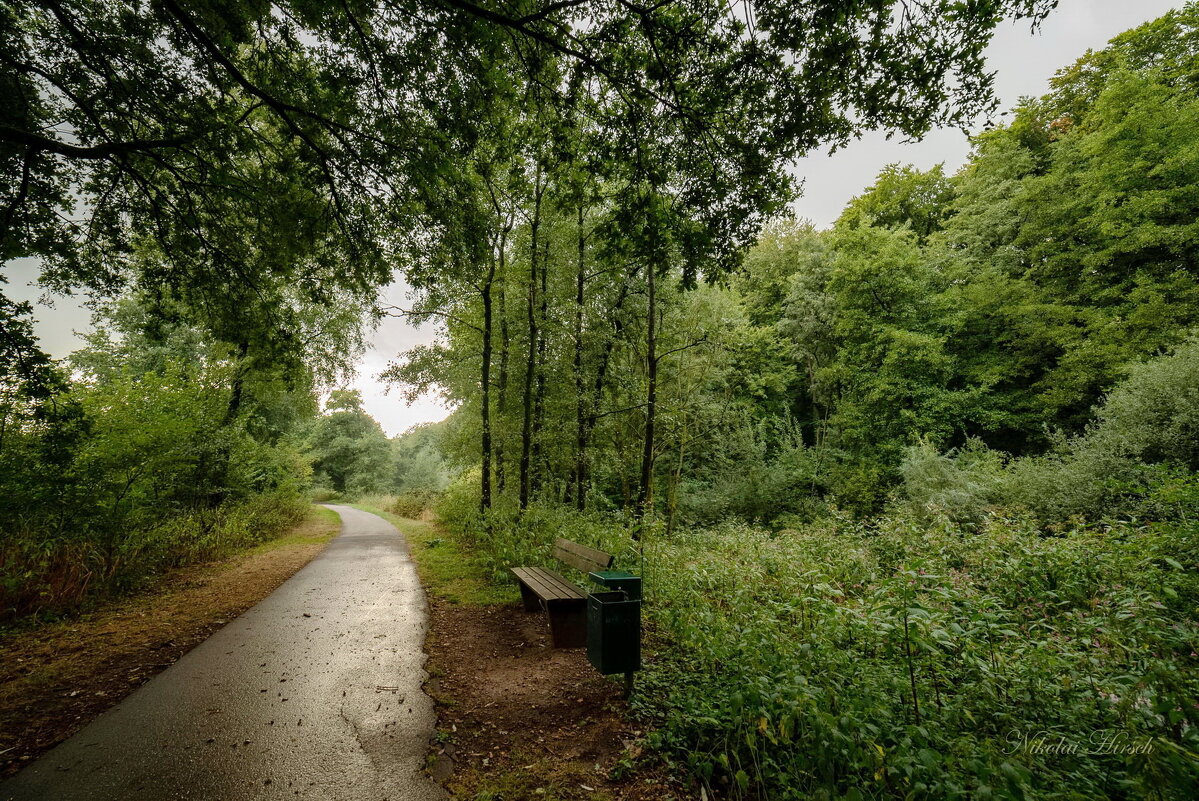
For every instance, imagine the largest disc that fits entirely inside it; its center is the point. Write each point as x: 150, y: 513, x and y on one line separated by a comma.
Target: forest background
x: 906, y: 492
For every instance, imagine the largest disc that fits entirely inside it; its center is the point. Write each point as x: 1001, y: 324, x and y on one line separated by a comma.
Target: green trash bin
x: 614, y: 632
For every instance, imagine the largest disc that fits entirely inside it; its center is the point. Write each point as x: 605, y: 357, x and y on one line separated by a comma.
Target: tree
x: 300, y: 124
x: 903, y: 197
x: 349, y: 451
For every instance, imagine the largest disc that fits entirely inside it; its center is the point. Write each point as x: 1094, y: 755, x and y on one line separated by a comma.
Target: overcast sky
x: 1023, y: 63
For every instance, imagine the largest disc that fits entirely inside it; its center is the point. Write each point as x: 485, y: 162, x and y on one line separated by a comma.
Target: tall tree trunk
x: 233, y: 409
x: 505, y: 340
x: 601, y: 374
x: 580, y: 468
x: 526, y: 433
x: 485, y: 412
x: 645, y: 493
x: 217, y: 478
x: 672, y: 503
x: 538, y: 469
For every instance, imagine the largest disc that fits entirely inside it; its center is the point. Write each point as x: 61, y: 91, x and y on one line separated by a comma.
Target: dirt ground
x: 57, y: 678
x: 518, y: 719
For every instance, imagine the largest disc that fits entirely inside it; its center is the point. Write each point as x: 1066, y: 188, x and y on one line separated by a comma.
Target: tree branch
x: 102, y: 151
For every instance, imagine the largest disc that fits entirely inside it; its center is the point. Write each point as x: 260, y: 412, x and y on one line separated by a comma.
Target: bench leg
x: 531, y: 601
x: 568, y: 622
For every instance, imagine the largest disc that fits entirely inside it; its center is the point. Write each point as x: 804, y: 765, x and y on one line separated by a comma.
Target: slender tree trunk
x: 505, y: 339
x: 485, y: 412
x: 538, y: 468
x: 645, y: 492
x: 217, y: 479
x: 580, y: 468
x: 672, y: 506
x: 601, y: 374
x: 526, y: 434
x: 233, y: 409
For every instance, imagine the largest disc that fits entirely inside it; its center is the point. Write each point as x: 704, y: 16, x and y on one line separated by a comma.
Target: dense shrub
x: 415, y: 503
x: 506, y: 538
x: 1136, y: 460
x: 768, y: 472
x: 961, y: 485
x: 149, y: 453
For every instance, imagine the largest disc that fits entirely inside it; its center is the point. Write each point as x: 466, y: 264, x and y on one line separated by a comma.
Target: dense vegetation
x: 987, y: 311
x: 353, y: 457
x: 153, y: 447
x: 236, y: 180
x: 915, y: 497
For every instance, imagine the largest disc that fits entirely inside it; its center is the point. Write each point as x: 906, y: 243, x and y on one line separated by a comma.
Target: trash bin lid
x: 606, y: 577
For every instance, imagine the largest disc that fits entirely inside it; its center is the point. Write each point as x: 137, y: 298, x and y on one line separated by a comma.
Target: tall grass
x: 42, y: 574
x: 892, y: 659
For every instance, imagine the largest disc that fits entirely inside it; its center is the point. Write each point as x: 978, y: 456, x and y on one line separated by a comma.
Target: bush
x: 960, y: 485
x: 415, y: 503
x: 770, y: 474
x: 1135, y: 461
x: 1153, y: 416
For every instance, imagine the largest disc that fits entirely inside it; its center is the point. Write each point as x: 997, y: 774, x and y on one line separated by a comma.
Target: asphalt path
x: 315, y: 693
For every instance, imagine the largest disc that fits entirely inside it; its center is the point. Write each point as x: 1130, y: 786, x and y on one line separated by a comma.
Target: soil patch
x: 57, y: 678
x: 518, y: 719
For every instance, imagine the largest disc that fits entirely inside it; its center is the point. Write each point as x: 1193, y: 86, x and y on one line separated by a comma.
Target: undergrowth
x: 44, y: 576
x: 905, y: 658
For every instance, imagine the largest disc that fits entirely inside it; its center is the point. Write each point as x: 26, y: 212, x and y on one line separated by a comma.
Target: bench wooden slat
x: 532, y: 578
x: 546, y: 583
x: 580, y: 556
x: 534, y: 581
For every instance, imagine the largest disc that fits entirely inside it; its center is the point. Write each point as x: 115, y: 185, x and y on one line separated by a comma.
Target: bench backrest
x: 581, y: 557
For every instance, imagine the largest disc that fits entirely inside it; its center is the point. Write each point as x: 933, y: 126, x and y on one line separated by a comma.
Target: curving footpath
x: 315, y: 693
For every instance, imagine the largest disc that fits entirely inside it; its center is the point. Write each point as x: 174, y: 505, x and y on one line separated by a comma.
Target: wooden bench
x: 564, y: 602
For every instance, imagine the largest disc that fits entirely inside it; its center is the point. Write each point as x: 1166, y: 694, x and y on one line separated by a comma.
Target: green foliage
x: 419, y: 466
x: 1136, y: 460
x: 1139, y: 450
x: 352, y: 457
x: 505, y: 538
x: 349, y: 451
x: 897, y: 659
x: 992, y: 309
x: 903, y: 197
x: 908, y: 654
x: 50, y: 575
x: 415, y: 503
x: 961, y: 485
x: 161, y: 448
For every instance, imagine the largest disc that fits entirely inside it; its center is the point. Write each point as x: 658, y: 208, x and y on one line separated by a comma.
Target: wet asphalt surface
x: 315, y: 693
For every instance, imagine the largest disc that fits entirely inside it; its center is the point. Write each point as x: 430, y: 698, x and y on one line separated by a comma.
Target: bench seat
x: 563, y: 601
x: 548, y: 585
